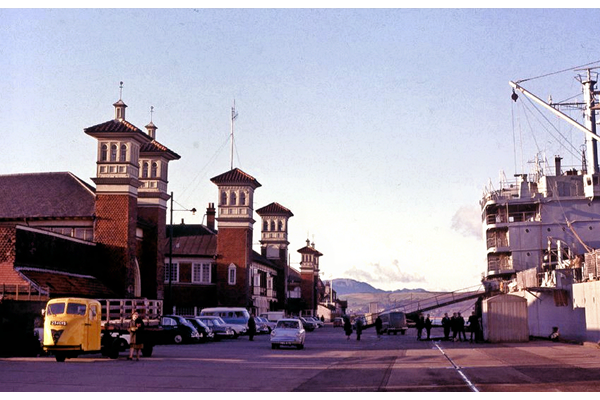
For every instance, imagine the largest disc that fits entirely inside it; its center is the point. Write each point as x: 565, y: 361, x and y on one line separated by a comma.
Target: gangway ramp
x: 413, y: 309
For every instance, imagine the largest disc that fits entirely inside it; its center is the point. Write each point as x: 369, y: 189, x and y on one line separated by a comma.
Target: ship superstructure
x: 541, y: 230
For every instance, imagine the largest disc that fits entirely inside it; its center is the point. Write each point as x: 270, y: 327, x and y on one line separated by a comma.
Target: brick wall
x: 151, y: 254
x: 8, y: 275
x: 234, y: 245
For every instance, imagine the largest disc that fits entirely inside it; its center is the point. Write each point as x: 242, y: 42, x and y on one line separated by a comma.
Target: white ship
x: 542, y: 232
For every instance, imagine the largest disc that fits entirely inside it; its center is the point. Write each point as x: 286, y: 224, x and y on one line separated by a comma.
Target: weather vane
x: 121, y: 90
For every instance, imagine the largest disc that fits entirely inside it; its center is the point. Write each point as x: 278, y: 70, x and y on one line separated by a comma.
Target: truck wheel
x: 60, y: 357
x: 274, y: 346
x: 300, y: 346
x: 403, y: 332
x: 178, y: 339
x: 147, y: 351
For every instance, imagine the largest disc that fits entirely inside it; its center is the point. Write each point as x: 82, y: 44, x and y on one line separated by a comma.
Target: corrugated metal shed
x: 505, y: 319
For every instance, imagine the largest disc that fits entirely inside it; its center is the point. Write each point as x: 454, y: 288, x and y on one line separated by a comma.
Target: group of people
x: 456, y: 325
x: 423, y: 323
x: 348, y: 327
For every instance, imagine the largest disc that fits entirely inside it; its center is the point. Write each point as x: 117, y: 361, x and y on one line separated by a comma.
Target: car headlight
x: 273, y: 332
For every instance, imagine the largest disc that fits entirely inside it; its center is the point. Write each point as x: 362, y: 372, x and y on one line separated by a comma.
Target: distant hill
x: 361, y: 295
x: 350, y: 286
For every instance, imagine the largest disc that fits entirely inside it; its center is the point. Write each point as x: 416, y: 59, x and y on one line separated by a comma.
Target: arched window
x: 232, y: 199
x: 272, y: 225
x: 145, y: 170
x: 113, y: 152
x: 104, y: 153
x: 154, y: 171
x: 280, y: 225
x: 223, y: 198
x: 243, y: 198
x: 265, y: 225
x: 123, y: 154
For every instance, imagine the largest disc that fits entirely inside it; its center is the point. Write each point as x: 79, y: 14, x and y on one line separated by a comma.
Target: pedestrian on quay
x: 359, y: 327
x: 378, y: 326
x: 251, y: 327
x: 428, y: 326
x: 446, y: 326
x: 420, y: 325
x: 454, y: 325
x: 136, y: 336
x: 461, y: 328
x: 474, y: 327
x: 347, y: 327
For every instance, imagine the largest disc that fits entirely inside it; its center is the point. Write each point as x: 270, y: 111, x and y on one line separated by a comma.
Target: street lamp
x: 193, y: 211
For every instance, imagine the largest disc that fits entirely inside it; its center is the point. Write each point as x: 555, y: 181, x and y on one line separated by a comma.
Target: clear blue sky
x: 377, y: 128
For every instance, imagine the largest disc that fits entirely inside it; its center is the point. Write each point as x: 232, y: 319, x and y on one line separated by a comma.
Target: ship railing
x: 442, y: 299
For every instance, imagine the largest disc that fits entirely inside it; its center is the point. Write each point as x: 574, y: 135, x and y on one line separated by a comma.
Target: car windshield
x: 56, y: 308
x: 287, y: 324
x: 76, y: 309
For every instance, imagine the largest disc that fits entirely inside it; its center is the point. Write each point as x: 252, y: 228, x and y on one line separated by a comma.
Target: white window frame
x: 174, y: 272
x: 201, y: 272
x: 232, y: 274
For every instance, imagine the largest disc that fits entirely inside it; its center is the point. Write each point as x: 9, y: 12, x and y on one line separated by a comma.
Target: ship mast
x: 590, y: 107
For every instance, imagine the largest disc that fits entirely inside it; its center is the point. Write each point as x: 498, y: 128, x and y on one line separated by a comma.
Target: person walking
x: 420, y: 325
x: 428, y: 326
x: 136, y: 336
x: 251, y: 327
x: 378, y: 326
x: 474, y: 327
x: 446, y: 326
x: 347, y: 327
x: 359, y: 327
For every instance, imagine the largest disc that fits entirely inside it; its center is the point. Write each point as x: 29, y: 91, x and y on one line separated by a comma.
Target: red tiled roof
x: 62, y: 284
x: 156, y: 147
x: 115, y: 126
x: 274, y: 209
x: 235, y: 176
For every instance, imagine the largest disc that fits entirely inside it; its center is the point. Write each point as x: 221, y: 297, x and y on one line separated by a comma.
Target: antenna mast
x: 233, y: 118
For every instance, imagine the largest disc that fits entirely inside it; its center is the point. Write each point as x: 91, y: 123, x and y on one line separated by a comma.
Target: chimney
x: 210, y: 216
x: 557, y: 165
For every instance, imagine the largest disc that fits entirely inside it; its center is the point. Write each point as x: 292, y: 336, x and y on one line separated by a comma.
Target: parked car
x: 204, y: 331
x: 220, y: 330
x: 288, y: 332
x: 316, y: 320
x: 338, y: 322
x: 176, y: 329
x: 263, y: 325
x: 309, y: 326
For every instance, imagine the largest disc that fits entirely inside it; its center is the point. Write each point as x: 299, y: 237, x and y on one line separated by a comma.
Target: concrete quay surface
x: 328, y: 363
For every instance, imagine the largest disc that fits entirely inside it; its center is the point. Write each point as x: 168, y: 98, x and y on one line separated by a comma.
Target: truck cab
x: 72, y: 326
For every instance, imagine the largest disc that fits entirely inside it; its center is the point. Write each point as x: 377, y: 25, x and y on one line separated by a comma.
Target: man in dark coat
x: 347, y: 327
x: 474, y: 327
x: 420, y: 325
x: 378, y: 326
x: 446, y: 326
x: 251, y: 327
x: 428, y: 324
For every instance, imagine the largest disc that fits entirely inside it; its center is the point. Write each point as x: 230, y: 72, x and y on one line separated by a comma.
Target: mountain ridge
x: 343, y: 286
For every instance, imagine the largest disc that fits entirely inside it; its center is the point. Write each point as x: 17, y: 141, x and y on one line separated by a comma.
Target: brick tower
x: 234, y: 240
x: 117, y: 180
x: 274, y: 244
x: 309, y: 275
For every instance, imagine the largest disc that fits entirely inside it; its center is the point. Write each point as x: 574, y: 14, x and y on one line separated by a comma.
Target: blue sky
x: 377, y: 128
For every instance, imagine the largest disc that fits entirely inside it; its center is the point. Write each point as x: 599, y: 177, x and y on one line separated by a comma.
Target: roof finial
x: 121, y: 90
x: 151, y: 112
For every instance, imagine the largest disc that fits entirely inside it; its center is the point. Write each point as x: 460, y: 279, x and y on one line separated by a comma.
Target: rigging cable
x: 557, y: 72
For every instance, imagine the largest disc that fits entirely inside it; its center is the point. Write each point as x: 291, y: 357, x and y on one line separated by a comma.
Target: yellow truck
x: 74, y: 326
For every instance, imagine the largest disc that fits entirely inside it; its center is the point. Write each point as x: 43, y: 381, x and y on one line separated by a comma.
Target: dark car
x: 204, y: 331
x: 220, y: 330
x: 309, y: 326
x: 176, y: 329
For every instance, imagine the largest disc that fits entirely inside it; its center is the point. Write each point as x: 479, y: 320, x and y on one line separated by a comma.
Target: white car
x: 288, y: 332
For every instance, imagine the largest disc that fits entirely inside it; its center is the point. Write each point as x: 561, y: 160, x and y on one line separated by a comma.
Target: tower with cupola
x: 309, y: 275
x: 234, y: 242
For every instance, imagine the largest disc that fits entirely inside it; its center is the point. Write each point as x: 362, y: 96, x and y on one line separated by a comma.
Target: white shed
x: 505, y: 319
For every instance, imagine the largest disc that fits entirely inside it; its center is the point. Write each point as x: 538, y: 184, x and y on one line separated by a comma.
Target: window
x: 223, y: 198
x: 232, y: 274
x: 145, y: 170
x: 232, y: 199
x: 174, y: 272
x: 123, y: 154
x: 201, y: 273
x: 104, y: 153
x: 243, y: 198
x: 266, y: 226
x: 113, y: 152
x: 280, y: 225
x: 154, y: 170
